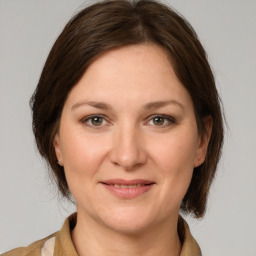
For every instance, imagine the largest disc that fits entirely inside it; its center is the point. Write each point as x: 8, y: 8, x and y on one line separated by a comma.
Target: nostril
x: 127, y: 155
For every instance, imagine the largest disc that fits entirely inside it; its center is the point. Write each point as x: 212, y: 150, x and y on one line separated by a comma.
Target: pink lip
x: 128, y: 193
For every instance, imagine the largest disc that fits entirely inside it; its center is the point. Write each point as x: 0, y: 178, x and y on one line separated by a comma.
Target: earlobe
x: 57, y: 147
x: 203, y: 141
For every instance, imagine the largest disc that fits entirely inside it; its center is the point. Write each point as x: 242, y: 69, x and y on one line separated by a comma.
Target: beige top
x: 60, y: 243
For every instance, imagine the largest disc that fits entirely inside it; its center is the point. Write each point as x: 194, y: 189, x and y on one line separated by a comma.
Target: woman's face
x: 128, y: 140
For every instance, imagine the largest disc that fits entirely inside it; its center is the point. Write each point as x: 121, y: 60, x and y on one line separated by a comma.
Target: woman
x: 127, y: 115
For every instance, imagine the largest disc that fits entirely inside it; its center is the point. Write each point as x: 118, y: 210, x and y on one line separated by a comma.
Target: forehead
x: 136, y: 73
x: 132, y: 61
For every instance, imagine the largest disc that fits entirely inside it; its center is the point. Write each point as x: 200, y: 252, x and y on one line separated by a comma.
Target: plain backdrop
x: 30, y: 207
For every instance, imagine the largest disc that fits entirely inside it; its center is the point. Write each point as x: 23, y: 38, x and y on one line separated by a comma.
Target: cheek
x: 176, y: 151
x: 82, y: 155
x: 175, y: 158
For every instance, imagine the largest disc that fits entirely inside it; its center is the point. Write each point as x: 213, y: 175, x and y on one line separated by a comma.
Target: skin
x: 129, y: 141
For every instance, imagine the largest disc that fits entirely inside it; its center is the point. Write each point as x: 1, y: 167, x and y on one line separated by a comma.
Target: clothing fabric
x: 60, y: 243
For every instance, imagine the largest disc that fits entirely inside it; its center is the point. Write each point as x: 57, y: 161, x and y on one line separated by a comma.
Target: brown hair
x: 110, y: 24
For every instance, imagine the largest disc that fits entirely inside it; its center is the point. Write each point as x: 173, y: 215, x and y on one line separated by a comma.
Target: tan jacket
x: 60, y: 243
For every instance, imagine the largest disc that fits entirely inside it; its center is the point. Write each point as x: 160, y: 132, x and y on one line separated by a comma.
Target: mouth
x: 127, y: 186
x: 128, y: 189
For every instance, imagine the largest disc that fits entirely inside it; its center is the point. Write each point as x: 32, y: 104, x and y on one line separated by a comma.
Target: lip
x: 128, y: 189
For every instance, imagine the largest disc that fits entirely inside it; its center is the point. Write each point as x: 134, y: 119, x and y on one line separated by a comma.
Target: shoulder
x: 35, y: 249
x: 189, y: 245
x: 57, y: 243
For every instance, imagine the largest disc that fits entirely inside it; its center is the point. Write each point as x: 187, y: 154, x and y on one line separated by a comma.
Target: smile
x: 128, y: 189
x: 127, y: 186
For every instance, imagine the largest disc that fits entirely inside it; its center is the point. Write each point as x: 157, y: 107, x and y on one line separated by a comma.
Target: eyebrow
x: 159, y: 104
x: 99, y: 105
x: 148, y: 106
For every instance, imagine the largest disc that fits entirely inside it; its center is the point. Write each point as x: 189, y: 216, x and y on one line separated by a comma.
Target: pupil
x: 158, y: 121
x: 97, y: 121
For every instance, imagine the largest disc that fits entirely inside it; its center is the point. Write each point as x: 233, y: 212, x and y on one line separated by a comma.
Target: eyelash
x: 90, y: 118
x: 170, y: 120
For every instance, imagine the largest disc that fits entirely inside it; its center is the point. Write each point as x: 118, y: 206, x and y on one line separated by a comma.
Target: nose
x: 128, y: 148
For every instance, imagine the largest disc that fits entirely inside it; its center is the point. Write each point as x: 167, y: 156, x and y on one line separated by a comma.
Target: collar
x: 65, y: 247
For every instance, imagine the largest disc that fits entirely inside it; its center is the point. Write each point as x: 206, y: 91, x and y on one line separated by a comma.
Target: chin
x: 127, y: 221
x: 128, y: 227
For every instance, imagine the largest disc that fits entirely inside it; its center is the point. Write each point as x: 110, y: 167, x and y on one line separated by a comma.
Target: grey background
x: 30, y: 208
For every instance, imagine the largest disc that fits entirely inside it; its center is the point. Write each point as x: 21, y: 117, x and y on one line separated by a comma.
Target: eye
x: 158, y: 120
x: 95, y: 121
x: 161, y: 120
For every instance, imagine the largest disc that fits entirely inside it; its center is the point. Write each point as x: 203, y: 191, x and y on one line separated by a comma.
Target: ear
x: 203, y: 141
x: 57, y: 147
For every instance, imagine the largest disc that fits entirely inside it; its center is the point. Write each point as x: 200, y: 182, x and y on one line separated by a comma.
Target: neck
x: 91, y: 238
